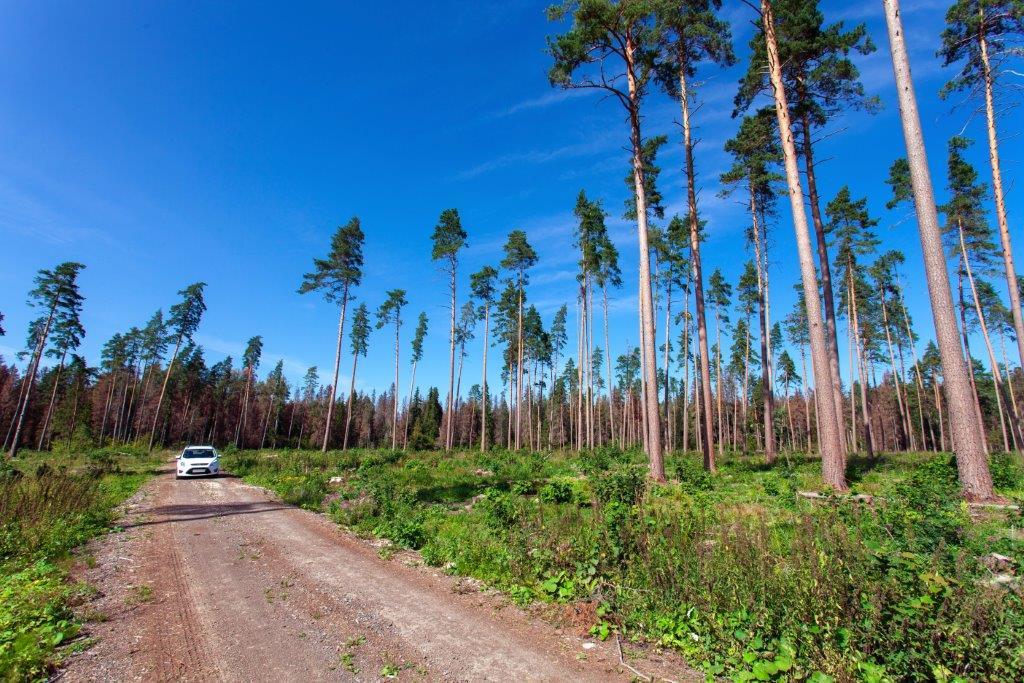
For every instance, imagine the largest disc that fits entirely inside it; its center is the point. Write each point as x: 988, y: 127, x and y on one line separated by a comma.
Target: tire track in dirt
x: 246, y: 588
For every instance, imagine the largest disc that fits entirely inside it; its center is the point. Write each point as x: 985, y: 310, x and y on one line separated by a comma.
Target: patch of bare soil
x: 217, y: 580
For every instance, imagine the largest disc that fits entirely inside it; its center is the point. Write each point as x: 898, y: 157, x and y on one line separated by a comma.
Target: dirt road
x: 217, y: 580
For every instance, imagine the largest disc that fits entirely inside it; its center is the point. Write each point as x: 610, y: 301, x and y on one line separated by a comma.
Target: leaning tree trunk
x: 698, y: 282
x: 30, y: 377
x: 53, y: 400
x: 997, y: 190
x: 337, y: 364
x: 966, y: 429
x: 997, y: 376
x: 163, y: 392
x: 833, y: 460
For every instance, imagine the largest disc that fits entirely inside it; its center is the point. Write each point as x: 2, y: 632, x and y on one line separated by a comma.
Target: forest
x: 658, y: 458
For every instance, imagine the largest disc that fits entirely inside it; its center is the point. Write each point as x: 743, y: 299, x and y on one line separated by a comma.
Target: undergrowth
x: 49, y: 505
x: 744, y: 577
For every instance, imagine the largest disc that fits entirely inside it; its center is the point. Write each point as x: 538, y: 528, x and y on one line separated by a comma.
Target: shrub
x: 560, y: 490
x: 625, y: 485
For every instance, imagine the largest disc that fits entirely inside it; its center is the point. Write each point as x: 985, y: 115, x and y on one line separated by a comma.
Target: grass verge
x: 49, y: 505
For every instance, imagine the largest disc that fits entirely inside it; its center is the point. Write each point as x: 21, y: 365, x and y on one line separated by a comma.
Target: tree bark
x: 975, y: 478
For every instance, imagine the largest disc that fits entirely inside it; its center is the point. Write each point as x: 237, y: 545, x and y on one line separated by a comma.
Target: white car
x: 198, y: 461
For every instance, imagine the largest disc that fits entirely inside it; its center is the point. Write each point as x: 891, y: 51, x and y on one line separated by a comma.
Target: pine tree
x: 390, y: 313
x: 984, y: 34
x: 56, y: 295
x: 482, y: 284
x: 622, y: 40
x: 519, y: 257
x: 449, y: 238
x: 820, y: 81
x: 691, y: 33
x: 335, y: 277
x: 852, y: 231
x: 66, y: 337
x: 417, y: 354
x: 969, y: 239
x: 359, y: 338
x: 833, y: 456
x: 756, y: 155
x: 720, y: 296
x: 250, y: 363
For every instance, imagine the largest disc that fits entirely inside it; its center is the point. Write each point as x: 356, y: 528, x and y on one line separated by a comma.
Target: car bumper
x: 198, y: 471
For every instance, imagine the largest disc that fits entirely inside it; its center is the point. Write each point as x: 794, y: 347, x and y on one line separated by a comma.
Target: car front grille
x: 199, y: 470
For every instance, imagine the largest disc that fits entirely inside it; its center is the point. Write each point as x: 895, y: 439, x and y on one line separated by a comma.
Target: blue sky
x: 163, y: 143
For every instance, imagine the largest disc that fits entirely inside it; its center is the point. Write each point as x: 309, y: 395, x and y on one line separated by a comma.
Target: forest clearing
x: 704, y: 360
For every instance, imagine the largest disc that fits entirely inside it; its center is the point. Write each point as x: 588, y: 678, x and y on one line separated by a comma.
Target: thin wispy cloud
x: 589, y: 147
x: 543, y: 101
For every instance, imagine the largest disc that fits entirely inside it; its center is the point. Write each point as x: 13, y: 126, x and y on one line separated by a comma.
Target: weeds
x: 734, y: 570
x: 49, y: 505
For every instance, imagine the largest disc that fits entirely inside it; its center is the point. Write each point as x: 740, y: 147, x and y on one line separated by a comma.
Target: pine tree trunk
x: 351, y: 399
x: 483, y: 410
x: 865, y: 411
x: 718, y: 381
x: 698, y: 281
x: 53, y: 400
x: 608, y: 361
x: 897, y: 381
x: 831, y: 328
x: 163, y: 392
x: 450, y: 406
x: 337, y: 365
x: 394, y: 398
x: 832, y: 453
x: 408, y: 408
x: 519, y: 362
x: 767, y: 395
x: 30, y: 377
x: 997, y: 377
x: 966, y: 429
x: 650, y: 371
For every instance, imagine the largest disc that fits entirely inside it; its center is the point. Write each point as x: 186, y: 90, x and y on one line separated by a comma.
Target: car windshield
x: 198, y: 453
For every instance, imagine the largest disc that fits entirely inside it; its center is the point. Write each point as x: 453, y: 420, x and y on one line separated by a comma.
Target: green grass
x: 744, y: 577
x: 49, y: 505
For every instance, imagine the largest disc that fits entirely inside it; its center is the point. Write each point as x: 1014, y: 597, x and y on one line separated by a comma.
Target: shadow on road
x: 191, y: 512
